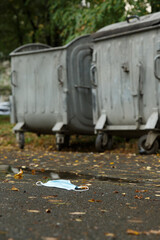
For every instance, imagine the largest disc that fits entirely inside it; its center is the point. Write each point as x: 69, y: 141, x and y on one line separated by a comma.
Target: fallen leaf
x: 132, y: 207
x: 56, y: 201
x: 98, y: 200
x: 142, y: 191
x: 35, y: 160
x: 91, y: 200
x: 77, y: 213
x: 96, y: 165
x: 103, y: 210
x: 135, y: 221
x: 48, y: 197
x: 33, y: 171
x: 157, y: 232
x: 11, y: 182
x: 33, y: 211
x: 48, y: 210
x: 138, y: 197
x: 19, y: 175
x: 78, y: 220
x: 148, y: 168
x: 107, y: 234
x: 133, y: 232
x: 14, y: 189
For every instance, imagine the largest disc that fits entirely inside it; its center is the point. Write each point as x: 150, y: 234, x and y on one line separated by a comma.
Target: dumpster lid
x: 136, y: 24
x: 33, y: 48
x: 30, y: 47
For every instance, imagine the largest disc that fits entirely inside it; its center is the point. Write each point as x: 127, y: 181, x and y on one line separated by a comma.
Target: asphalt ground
x: 123, y: 200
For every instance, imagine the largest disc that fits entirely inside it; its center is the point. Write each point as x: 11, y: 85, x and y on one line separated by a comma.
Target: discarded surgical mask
x: 64, y: 184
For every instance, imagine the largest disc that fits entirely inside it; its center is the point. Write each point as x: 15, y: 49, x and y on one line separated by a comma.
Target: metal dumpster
x: 126, y: 82
x: 51, y: 90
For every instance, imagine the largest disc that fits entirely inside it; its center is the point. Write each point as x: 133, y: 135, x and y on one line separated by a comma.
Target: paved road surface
x: 123, y: 200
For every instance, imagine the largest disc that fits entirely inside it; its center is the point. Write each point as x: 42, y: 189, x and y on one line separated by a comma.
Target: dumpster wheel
x: 143, y: 150
x: 59, y: 146
x: 66, y: 140
x: 21, y: 140
x: 103, y: 141
x: 62, y: 141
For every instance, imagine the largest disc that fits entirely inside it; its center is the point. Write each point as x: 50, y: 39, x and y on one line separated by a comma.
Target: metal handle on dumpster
x: 13, y: 77
x: 131, y: 17
x: 155, y: 67
x: 92, y: 75
x: 59, y: 73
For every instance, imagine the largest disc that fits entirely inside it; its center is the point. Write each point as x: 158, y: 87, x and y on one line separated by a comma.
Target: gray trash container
x: 51, y: 90
x: 126, y: 82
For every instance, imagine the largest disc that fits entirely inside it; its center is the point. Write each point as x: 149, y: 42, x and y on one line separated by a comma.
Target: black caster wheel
x: 66, y: 140
x: 142, y: 148
x: 59, y: 147
x: 21, y: 140
x: 103, y: 141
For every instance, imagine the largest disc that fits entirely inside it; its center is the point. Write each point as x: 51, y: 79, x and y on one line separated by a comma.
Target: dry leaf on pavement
x: 133, y: 232
x: 19, y: 175
x: 77, y: 213
x: 107, y: 234
x: 33, y: 211
x: 14, y: 189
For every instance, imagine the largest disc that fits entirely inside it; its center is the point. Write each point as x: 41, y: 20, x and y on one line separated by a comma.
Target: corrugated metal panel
x: 128, y: 90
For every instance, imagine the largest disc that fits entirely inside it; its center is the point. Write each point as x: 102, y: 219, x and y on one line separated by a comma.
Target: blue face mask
x: 64, y: 184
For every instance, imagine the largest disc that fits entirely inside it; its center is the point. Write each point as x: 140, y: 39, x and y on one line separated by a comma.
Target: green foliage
x: 78, y: 20
x: 58, y: 22
x: 140, y: 7
x: 155, y: 5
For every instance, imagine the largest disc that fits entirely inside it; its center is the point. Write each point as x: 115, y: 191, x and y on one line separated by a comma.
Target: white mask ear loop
x: 39, y: 183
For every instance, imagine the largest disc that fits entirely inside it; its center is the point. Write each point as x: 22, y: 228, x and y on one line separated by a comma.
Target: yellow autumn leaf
x: 32, y: 211
x: 19, y: 175
x: 78, y: 220
x: 14, y: 189
x: 107, y: 234
x: 133, y: 232
x: 35, y: 159
x: 77, y: 213
x: 91, y: 200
